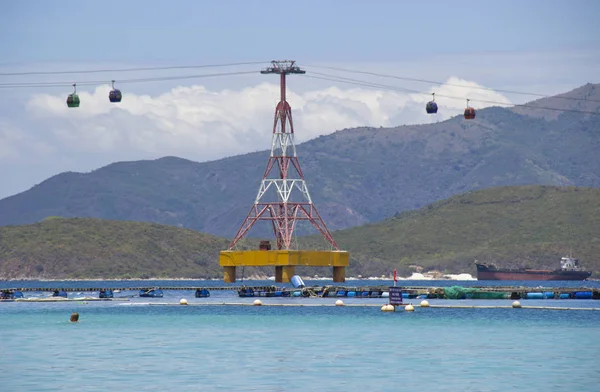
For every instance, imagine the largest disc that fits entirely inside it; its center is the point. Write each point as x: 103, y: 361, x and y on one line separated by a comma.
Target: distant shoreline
x: 414, y: 276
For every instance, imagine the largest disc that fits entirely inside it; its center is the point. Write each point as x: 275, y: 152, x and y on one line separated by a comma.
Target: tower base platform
x: 284, y: 262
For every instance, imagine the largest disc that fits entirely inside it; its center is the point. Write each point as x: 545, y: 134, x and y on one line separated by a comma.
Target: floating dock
x: 410, y: 292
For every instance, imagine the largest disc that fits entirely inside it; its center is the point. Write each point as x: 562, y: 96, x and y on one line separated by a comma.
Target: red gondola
x: 431, y: 106
x: 114, y: 95
x: 469, y: 112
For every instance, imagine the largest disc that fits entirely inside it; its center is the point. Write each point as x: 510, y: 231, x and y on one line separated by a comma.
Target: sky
x: 545, y: 47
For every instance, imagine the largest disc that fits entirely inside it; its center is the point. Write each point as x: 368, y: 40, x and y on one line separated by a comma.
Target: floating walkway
x: 408, y: 292
x: 61, y: 299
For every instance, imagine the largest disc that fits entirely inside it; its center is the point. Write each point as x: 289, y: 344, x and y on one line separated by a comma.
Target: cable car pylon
x: 283, y: 200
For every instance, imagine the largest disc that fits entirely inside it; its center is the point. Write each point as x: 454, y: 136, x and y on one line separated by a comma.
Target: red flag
x: 395, y: 278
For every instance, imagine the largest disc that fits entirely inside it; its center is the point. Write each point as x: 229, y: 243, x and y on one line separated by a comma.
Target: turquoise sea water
x: 156, y: 345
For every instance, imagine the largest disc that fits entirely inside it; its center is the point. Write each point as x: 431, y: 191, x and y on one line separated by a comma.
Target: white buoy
x: 183, y: 301
x: 391, y: 308
x: 387, y: 308
x: 339, y: 302
x: 516, y: 304
x: 257, y: 302
x: 409, y: 308
x: 424, y: 304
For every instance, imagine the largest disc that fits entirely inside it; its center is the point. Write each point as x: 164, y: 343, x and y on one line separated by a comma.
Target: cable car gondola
x: 431, y: 106
x: 469, y: 112
x: 114, y: 95
x: 73, y: 99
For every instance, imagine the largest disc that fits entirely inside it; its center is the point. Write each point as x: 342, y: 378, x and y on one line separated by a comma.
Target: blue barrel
x: 341, y: 293
x: 583, y: 294
x: 548, y: 294
x: 297, y: 293
x: 297, y: 282
x: 535, y: 295
x: 60, y: 293
x: 365, y: 293
x: 351, y: 293
x: 564, y: 296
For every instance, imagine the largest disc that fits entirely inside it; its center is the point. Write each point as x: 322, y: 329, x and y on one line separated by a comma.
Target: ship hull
x: 488, y: 273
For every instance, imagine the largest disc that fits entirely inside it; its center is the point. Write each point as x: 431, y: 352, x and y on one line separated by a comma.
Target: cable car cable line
x: 122, y: 81
x: 130, y: 69
x: 394, y: 88
x: 447, y: 84
x: 431, y: 107
x: 174, y: 67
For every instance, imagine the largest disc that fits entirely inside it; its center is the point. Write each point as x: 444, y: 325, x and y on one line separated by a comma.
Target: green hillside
x: 94, y: 248
x: 510, y: 226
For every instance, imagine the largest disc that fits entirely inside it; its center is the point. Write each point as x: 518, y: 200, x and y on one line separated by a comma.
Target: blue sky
x: 160, y: 31
x: 545, y: 47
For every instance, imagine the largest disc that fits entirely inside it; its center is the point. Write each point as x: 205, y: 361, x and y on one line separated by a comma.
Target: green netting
x: 487, y: 295
x: 458, y: 292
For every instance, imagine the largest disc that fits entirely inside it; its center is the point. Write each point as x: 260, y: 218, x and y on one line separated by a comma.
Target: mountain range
x: 355, y: 176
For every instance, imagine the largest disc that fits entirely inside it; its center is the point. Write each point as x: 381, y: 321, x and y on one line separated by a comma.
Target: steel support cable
x: 395, y: 88
x: 123, y: 81
x: 447, y: 84
x: 130, y: 69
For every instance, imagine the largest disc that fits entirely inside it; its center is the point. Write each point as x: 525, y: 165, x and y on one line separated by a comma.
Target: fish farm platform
x: 409, y: 292
x: 284, y: 262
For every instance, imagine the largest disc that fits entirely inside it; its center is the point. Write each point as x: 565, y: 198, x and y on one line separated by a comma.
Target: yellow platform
x: 284, y: 262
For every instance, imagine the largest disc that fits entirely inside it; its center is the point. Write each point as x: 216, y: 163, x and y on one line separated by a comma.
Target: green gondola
x: 73, y: 99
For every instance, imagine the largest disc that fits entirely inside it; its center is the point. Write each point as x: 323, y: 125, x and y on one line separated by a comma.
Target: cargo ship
x: 569, y: 270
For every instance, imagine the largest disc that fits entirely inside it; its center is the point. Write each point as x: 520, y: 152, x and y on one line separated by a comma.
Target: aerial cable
x: 138, y: 69
x: 130, y: 69
x: 360, y: 82
x: 447, y: 84
x: 122, y: 81
x: 394, y: 88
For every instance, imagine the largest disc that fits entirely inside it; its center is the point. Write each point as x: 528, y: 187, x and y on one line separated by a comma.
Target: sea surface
x: 155, y: 344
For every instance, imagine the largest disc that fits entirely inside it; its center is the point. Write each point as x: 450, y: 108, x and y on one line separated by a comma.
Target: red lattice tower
x: 283, y: 197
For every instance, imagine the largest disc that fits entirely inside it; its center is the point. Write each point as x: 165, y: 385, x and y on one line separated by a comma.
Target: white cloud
x: 228, y: 116
x: 198, y: 123
x: 205, y: 124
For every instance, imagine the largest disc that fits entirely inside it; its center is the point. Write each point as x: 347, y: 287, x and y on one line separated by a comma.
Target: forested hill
x: 510, y: 226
